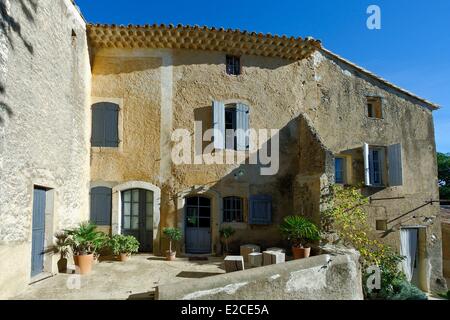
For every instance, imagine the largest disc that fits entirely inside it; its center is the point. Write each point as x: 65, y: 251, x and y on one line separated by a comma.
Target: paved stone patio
x: 134, y: 279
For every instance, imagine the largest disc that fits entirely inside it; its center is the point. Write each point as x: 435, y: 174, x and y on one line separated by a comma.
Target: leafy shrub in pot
x: 173, y: 234
x: 226, y: 233
x: 84, y: 241
x: 123, y: 246
x: 300, y: 231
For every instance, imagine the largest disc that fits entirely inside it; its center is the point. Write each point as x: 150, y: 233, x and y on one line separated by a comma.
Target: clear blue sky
x: 412, y: 49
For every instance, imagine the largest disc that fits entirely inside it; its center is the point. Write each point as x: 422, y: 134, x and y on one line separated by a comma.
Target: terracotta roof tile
x: 200, y: 38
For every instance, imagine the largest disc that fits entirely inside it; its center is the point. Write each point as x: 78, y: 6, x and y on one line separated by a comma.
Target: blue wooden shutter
x: 260, y: 210
x: 112, y: 125
x: 242, y: 125
x: 98, y: 125
x: 366, y: 155
x: 105, y: 123
x: 101, y: 206
x: 395, y: 165
x: 219, y: 124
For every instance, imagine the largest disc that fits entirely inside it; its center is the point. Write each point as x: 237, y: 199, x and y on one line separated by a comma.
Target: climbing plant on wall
x: 345, y: 215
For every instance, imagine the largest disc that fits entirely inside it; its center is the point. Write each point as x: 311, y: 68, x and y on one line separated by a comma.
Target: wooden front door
x: 198, y: 225
x: 137, y: 217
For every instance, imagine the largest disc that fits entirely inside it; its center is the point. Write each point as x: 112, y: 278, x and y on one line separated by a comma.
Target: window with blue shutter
x: 101, y: 206
x: 105, y: 123
x: 260, y: 210
x: 395, y: 165
x: 219, y: 125
x: 231, y: 123
x: 339, y: 170
x: 242, y: 126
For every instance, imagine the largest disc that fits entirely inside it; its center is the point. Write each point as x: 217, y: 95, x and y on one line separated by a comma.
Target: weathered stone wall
x: 343, y: 125
x: 197, y: 80
x: 328, y: 93
x: 45, y: 128
x: 324, y: 277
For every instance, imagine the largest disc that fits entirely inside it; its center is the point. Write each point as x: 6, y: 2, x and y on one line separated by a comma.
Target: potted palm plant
x: 123, y: 246
x: 300, y: 231
x: 173, y: 234
x: 226, y: 233
x: 82, y: 240
x: 61, y: 247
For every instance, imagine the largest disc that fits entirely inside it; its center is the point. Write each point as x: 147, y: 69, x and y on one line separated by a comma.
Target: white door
x: 409, y: 238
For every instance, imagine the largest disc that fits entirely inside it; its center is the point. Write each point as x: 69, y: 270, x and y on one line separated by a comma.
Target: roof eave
x: 432, y: 106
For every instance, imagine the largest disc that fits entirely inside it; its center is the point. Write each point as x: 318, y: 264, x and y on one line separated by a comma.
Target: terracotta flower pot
x: 171, y: 255
x: 300, y: 253
x: 84, y: 263
x: 124, y: 257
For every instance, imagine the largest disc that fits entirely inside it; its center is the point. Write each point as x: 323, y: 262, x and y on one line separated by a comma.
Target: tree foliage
x: 444, y: 175
x: 346, y: 217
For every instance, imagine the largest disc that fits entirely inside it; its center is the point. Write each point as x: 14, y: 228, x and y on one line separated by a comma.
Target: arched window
x: 105, y: 123
x: 233, y: 209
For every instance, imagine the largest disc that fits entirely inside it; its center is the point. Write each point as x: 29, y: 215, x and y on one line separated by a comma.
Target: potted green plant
x: 100, y: 242
x: 173, y: 234
x: 226, y: 233
x: 300, y: 231
x: 61, y: 247
x: 82, y: 240
x: 123, y: 246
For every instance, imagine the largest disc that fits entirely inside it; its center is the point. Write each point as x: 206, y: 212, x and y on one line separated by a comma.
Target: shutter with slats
x: 105, y: 122
x: 366, y: 155
x: 260, y: 210
x: 111, y: 126
x: 219, y: 124
x: 101, y: 206
x: 395, y: 165
x: 98, y: 122
x: 242, y: 125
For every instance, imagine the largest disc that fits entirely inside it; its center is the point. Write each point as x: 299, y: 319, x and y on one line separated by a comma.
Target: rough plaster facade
x: 318, y: 104
x: 45, y: 128
x: 320, y: 108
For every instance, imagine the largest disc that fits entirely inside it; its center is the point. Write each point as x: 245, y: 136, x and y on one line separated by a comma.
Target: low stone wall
x: 324, y: 277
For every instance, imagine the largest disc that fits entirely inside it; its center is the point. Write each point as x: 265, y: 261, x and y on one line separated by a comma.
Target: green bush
x: 226, y: 233
x: 299, y: 230
x: 85, y: 239
x: 123, y: 244
x: 401, y: 289
x: 173, y: 234
x: 445, y: 295
x: 347, y: 217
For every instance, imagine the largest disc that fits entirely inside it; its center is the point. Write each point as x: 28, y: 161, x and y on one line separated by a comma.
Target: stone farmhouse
x: 88, y: 112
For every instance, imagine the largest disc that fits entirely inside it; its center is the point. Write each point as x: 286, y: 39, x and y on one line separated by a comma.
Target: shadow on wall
x: 9, y: 25
x: 280, y: 186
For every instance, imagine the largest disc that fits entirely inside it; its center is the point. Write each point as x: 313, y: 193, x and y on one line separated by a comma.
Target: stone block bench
x: 247, y: 249
x: 234, y: 263
x: 273, y: 257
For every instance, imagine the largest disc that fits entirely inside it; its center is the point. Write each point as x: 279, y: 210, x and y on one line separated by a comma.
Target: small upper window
x: 374, y: 107
x: 232, y: 209
x: 233, y: 65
